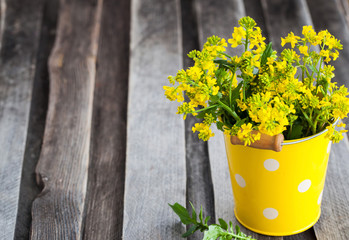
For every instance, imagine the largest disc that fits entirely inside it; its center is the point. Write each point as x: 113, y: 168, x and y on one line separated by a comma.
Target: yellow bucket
x: 279, y: 193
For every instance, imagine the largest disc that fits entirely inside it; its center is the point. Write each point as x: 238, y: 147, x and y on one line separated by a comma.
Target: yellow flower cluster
x: 270, y: 113
x: 247, y: 135
x: 260, y: 91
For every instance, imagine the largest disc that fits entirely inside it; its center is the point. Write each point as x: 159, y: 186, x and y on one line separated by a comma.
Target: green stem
x: 289, y: 133
x: 224, y: 54
x: 231, y: 81
x: 229, y: 110
x: 204, y: 109
x: 307, y: 118
x: 236, y: 236
x: 246, y: 40
x: 314, y: 127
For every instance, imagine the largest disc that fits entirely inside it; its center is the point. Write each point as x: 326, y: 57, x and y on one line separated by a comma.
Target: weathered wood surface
x: 334, y: 220
x: 281, y: 17
x: 344, y: 8
x: 2, y: 18
x: 199, y: 181
x: 62, y: 169
x: 20, y: 38
x: 82, y: 165
x: 104, y: 212
x: 253, y: 8
x: 155, y: 156
x: 326, y: 14
x: 229, y: 14
x: 29, y: 189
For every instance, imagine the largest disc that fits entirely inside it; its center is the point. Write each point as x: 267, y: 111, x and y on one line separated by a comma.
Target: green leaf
x: 207, y: 219
x: 220, y: 125
x: 236, y: 92
x: 296, y: 131
x: 223, y: 224
x: 193, y: 216
x: 213, y: 232
x: 201, y: 217
x: 312, y: 68
x: 182, y: 213
x: 225, y: 64
x: 190, y: 231
x: 267, y: 53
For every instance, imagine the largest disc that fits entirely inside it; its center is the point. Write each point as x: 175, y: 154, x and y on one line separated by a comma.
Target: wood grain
x: 334, y: 220
x: 284, y: 16
x: 2, y: 18
x: 106, y: 180
x: 155, y: 156
x: 307, y: 235
x: 199, y: 181
x: 62, y: 169
x: 344, y: 9
x: 326, y: 14
x: 20, y: 37
x: 253, y: 8
x: 29, y: 189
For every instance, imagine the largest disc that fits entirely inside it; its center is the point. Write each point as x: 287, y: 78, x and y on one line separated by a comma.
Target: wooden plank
x: 344, y: 8
x: 62, y: 169
x: 327, y: 15
x: 229, y: 13
x: 106, y: 180
x: 199, y: 181
x: 2, y: 18
x: 284, y: 16
x: 307, y: 235
x: 155, y: 163
x: 29, y: 189
x: 334, y: 220
x: 209, y: 24
x: 20, y: 37
x: 254, y: 9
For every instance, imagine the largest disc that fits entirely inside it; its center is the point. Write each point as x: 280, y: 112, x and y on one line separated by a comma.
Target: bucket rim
x: 295, y: 141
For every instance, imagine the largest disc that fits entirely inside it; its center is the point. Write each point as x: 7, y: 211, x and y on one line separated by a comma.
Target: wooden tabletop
x: 89, y: 146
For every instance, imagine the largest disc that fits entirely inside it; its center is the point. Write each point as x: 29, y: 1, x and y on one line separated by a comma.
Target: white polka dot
x: 329, y: 147
x: 320, y: 197
x: 270, y: 213
x: 240, y: 180
x: 304, y: 186
x: 271, y: 164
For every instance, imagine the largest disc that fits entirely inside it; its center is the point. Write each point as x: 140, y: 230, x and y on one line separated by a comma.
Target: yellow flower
x: 308, y: 30
x: 194, y: 73
x: 291, y: 38
x: 304, y: 50
x: 238, y: 34
x: 215, y: 90
x: 334, y: 55
x: 173, y: 93
x: 205, y: 133
x: 246, y: 135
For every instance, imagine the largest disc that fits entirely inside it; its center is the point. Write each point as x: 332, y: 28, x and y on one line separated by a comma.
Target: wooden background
x: 90, y: 148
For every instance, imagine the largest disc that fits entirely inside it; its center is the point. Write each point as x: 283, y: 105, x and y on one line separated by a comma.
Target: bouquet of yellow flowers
x: 289, y: 93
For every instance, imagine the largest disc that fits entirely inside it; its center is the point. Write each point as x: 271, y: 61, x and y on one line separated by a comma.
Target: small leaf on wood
x: 190, y: 231
x: 182, y: 213
x: 223, y: 224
